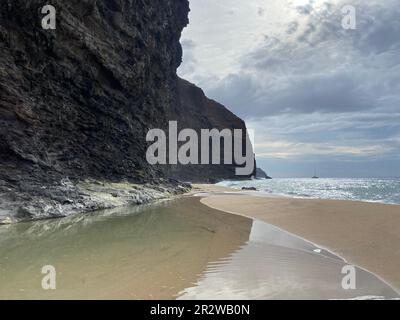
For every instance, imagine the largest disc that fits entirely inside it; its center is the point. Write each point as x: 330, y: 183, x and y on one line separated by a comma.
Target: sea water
x: 381, y: 190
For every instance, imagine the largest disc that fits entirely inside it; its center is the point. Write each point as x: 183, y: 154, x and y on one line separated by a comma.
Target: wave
x: 376, y: 190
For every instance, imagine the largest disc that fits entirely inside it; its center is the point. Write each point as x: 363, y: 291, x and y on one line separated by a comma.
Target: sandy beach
x: 364, y: 234
x: 184, y: 249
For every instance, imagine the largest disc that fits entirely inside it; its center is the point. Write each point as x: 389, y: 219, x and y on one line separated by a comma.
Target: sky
x: 317, y: 95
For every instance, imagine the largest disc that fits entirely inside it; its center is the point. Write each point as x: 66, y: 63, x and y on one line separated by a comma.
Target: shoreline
x: 255, y: 253
x: 363, y: 234
x: 68, y: 198
x: 311, y: 196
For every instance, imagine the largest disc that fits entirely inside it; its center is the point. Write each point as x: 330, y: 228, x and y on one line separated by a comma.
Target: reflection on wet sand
x: 277, y: 265
x: 177, y: 249
x: 153, y: 252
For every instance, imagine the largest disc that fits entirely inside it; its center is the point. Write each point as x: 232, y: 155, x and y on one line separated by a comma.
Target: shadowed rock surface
x: 195, y: 111
x: 77, y: 102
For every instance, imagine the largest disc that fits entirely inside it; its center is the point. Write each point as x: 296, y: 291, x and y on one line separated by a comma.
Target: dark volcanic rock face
x: 195, y: 111
x: 78, y: 101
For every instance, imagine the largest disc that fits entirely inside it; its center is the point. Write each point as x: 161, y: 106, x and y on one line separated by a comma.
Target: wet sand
x: 364, y: 234
x: 276, y: 265
x: 178, y: 249
x: 149, y: 252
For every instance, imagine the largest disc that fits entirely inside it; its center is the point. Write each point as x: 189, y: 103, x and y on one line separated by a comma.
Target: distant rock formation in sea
x: 261, y: 174
x: 77, y: 102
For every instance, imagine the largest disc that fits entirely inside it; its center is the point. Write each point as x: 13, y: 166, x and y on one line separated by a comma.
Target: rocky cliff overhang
x: 77, y: 101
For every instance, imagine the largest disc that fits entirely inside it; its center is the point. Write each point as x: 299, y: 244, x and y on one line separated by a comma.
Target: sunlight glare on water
x: 368, y: 189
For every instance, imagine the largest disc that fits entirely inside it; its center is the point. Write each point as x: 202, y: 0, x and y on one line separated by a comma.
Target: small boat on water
x: 315, y: 174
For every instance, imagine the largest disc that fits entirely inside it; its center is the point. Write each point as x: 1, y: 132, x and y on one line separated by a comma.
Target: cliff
x: 261, y: 174
x: 195, y: 111
x: 77, y: 102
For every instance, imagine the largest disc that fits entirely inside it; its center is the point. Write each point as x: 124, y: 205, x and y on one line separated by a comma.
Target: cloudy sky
x: 316, y: 94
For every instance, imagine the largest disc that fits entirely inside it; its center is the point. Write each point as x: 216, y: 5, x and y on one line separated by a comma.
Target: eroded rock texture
x: 195, y: 111
x: 77, y: 102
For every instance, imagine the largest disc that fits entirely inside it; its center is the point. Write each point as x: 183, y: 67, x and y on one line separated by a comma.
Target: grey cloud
x: 189, y: 47
x: 305, y: 10
x: 324, y: 69
x: 378, y: 25
x: 292, y: 27
x: 316, y: 91
x: 303, y: 94
x: 376, y: 135
x: 188, y: 44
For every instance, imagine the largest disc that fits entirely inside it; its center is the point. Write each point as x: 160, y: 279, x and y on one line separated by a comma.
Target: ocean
x: 380, y: 190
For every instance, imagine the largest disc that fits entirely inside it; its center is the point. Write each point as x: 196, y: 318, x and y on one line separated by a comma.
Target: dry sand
x: 364, y: 234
